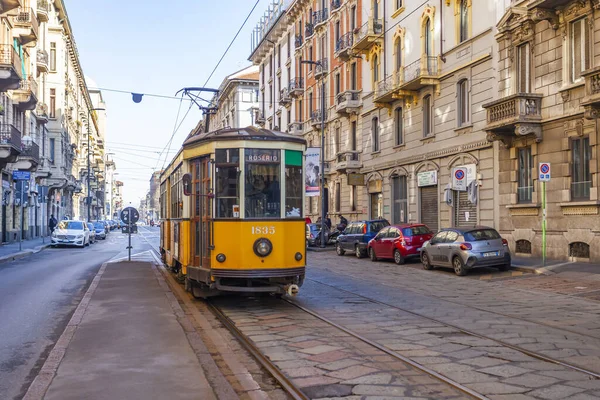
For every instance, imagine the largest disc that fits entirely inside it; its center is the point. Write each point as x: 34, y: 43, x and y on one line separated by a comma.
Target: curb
x: 23, y: 254
x: 536, y: 269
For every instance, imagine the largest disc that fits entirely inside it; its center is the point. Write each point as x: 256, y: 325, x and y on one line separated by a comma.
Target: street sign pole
x: 545, y: 176
x: 544, y: 224
x: 22, y: 214
x: 129, y: 230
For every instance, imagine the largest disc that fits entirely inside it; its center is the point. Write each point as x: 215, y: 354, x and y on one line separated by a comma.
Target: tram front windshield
x: 262, y: 183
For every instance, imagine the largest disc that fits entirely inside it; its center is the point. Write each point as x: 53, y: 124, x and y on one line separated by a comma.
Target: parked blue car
x: 100, y: 229
x: 357, y: 235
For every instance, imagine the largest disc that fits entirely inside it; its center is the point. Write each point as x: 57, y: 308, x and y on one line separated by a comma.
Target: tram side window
x: 293, y: 183
x: 227, y: 168
x: 176, y: 194
x: 261, y: 182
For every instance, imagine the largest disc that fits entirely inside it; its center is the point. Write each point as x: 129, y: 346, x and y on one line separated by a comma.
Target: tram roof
x: 248, y: 133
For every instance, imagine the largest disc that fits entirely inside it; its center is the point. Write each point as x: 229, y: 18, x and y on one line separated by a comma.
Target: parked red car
x: 399, y: 242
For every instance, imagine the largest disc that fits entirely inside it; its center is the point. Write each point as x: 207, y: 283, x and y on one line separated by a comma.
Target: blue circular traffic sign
x: 459, y: 174
x: 544, y: 168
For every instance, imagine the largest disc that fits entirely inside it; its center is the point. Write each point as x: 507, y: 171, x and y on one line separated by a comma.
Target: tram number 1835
x: 263, y: 230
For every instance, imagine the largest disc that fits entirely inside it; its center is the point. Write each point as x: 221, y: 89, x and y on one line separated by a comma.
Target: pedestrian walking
x: 52, y: 222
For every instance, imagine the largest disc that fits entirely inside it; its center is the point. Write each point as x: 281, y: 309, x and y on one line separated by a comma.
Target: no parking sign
x: 544, y: 170
x: 459, y: 179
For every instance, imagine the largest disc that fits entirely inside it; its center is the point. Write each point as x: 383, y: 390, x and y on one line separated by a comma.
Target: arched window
x: 398, y: 53
x: 523, y: 246
x: 463, y: 21
x: 579, y: 250
x: 462, y: 106
x: 375, y: 70
x: 375, y: 133
x: 428, y: 39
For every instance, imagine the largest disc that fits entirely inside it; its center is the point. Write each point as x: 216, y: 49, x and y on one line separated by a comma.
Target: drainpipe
x: 442, y: 32
x: 384, y: 27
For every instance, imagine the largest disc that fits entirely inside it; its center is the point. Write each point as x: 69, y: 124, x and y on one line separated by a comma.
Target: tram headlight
x: 263, y: 247
x: 298, y: 256
x: 221, y: 257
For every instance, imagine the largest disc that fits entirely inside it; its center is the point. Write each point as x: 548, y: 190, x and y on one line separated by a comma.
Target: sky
x: 156, y: 47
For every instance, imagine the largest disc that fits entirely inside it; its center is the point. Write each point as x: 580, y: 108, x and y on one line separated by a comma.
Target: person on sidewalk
x: 52, y: 223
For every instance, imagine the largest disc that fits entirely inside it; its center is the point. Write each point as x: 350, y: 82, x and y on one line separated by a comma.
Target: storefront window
x: 227, y: 184
x: 263, y: 193
x: 293, y: 183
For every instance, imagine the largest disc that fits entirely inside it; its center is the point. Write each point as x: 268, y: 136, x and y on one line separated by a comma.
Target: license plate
x: 65, y: 241
x: 491, y: 254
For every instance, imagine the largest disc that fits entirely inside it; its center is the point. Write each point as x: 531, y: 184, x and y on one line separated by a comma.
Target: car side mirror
x: 432, y: 241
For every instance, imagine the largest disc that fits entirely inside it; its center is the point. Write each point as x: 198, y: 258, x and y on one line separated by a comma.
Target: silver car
x: 466, y: 248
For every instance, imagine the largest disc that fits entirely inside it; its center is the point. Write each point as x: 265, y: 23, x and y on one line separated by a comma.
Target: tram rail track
x: 536, y: 355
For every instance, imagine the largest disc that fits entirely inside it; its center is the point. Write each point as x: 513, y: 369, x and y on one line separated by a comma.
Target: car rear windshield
x: 70, y: 225
x: 481, y: 234
x: 376, y: 226
x: 415, y: 231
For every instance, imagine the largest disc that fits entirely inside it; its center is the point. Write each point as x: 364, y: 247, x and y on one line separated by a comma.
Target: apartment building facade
x: 237, y: 101
x: 310, y: 85
x: 42, y: 94
x: 22, y: 119
x: 546, y: 111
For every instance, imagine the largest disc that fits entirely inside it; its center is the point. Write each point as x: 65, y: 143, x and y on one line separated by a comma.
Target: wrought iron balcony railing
x: 298, y: 41
x: 335, y: 4
x: 344, y: 42
x: 10, y: 136
x: 309, y: 30
x: 320, y: 16
x: 31, y: 150
x: 420, y: 68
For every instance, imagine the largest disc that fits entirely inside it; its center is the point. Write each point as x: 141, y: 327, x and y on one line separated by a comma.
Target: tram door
x: 201, y: 213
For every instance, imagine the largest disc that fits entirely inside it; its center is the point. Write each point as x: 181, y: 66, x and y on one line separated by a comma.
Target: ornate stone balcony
x: 296, y: 128
x: 420, y: 74
x: 296, y: 87
x: 348, y: 102
x: 7, y: 5
x: 309, y: 30
x: 43, y: 8
x: 512, y: 116
x: 349, y: 160
x: 26, y: 94
x: 316, y: 117
x: 26, y: 26
x: 321, y: 68
x: 284, y: 97
x: 41, y: 113
x: 343, y: 46
x: 384, y: 90
x: 591, y: 101
x: 42, y: 61
x: 260, y: 117
x: 367, y: 35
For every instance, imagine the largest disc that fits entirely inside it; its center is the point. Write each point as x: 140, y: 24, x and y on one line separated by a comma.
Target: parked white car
x: 73, y: 233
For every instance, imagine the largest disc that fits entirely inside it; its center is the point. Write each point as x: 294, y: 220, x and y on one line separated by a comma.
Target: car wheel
x: 358, y: 252
x: 339, y: 250
x: 425, y: 261
x: 459, y: 266
x: 372, y: 254
x: 398, y: 259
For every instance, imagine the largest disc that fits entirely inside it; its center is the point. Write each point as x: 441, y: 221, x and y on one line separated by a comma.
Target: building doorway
x: 465, y: 212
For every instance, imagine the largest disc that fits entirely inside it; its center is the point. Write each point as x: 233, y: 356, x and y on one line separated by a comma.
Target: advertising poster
x: 312, y: 159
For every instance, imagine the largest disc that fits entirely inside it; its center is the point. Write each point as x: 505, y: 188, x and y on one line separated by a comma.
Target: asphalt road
x: 38, y: 295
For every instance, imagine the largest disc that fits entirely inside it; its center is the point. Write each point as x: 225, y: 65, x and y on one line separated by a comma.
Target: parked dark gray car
x: 466, y: 248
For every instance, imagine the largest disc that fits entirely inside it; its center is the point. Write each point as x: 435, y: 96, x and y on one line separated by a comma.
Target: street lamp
x: 322, y: 168
x: 89, y: 197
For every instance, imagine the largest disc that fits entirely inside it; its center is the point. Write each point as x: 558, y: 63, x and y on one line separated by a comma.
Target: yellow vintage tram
x: 232, y: 206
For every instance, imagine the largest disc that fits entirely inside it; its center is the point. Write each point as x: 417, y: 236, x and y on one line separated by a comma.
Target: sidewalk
x: 123, y: 342
x: 9, y: 252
